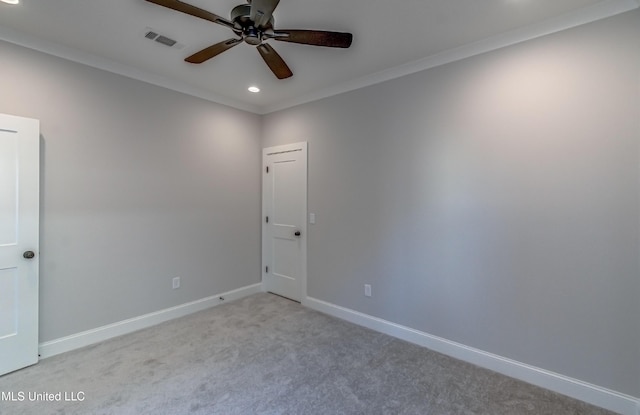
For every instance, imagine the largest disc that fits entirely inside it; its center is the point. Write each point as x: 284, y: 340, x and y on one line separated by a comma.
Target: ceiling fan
x: 253, y: 24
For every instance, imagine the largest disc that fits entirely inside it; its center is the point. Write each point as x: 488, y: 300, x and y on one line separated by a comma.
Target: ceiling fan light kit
x: 253, y: 24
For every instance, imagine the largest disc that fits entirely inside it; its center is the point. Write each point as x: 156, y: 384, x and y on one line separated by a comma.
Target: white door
x: 284, y: 226
x: 19, y: 216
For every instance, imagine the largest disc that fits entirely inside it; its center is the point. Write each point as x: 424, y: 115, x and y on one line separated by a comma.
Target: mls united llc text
x: 42, y: 396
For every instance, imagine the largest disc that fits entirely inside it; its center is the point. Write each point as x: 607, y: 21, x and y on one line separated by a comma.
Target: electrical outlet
x: 175, y: 283
x: 367, y: 290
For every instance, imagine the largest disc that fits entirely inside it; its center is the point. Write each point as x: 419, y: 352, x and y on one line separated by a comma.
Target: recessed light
x: 11, y: 1
x: 254, y: 89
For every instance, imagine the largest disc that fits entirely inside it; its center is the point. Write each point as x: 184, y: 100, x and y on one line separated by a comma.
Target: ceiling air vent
x: 151, y: 35
x: 165, y: 40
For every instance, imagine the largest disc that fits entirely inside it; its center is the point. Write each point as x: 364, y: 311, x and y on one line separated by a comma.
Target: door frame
x: 303, y: 147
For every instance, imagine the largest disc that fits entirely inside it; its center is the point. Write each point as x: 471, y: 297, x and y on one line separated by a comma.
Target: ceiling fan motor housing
x: 245, y: 26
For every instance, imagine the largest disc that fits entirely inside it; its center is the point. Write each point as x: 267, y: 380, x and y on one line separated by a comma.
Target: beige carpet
x: 267, y: 355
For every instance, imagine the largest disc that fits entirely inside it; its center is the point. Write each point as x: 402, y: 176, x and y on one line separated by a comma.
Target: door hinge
x: 266, y: 269
x: 267, y: 219
x: 267, y: 169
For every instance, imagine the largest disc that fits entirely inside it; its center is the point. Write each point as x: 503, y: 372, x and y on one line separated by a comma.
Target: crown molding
x: 75, y: 55
x: 598, y: 11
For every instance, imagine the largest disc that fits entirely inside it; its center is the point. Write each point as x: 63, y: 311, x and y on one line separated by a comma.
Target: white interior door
x: 19, y: 218
x: 284, y: 230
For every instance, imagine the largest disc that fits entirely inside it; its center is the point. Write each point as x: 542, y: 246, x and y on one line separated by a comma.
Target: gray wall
x: 493, y: 201
x: 140, y: 184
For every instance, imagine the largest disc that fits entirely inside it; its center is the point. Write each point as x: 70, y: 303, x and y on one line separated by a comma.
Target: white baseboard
x: 577, y: 389
x: 85, y: 338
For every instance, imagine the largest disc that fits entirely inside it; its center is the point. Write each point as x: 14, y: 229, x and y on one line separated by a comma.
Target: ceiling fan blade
x: 193, y: 11
x: 212, y: 51
x: 274, y: 61
x: 261, y: 11
x: 314, y: 37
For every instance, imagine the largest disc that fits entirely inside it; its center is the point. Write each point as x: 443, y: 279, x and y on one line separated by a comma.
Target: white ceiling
x: 391, y: 38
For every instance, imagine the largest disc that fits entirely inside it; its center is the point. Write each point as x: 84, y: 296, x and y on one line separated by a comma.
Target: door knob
x: 28, y: 254
x: 297, y: 233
